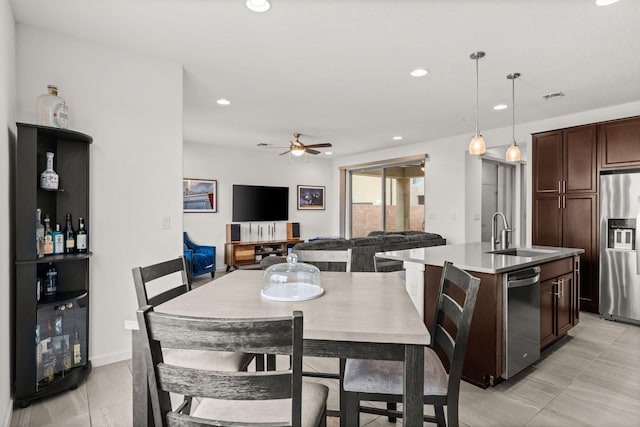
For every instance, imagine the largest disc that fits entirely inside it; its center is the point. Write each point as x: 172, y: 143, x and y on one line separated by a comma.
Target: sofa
x: 364, y: 248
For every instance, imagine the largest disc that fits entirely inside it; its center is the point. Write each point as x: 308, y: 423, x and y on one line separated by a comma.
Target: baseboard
x: 9, y: 413
x: 110, y: 358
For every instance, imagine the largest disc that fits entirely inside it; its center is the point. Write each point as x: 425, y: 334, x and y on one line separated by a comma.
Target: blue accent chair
x: 200, y: 259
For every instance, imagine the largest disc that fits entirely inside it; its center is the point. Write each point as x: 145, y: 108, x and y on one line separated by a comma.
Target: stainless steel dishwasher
x: 521, y: 320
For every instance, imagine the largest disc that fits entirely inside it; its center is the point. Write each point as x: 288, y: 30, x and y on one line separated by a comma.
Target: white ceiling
x: 338, y: 70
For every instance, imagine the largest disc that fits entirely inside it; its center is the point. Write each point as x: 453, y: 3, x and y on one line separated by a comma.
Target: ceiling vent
x: 553, y: 95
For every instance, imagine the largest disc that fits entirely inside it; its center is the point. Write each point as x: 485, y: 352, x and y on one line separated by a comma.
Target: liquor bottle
x: 51, y: 281
x: 49, y: 359
x: 77, y: 352
x: 66, y: 355
x: 38, y: 289
x: 69, y: 237
x: 81, y: 237
x: 58, y: 241
x: 48, y: 237
x: 52, y: 109
x: 49, y: 178
x: 39, y: 234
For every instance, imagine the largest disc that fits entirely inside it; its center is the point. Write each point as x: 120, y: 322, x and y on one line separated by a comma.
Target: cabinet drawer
x: 243, y: 254
x: 556, y: 268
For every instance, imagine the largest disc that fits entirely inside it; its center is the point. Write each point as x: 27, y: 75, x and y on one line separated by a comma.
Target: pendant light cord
x: 513, y: 104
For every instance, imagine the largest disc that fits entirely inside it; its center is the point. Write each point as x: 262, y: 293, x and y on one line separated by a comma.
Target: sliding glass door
x: 389, y: 198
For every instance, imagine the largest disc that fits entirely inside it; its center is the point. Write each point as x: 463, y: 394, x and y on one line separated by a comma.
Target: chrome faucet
x: 503, y: 242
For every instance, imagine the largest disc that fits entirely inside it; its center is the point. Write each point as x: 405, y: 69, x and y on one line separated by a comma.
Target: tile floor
x: 590, y: 378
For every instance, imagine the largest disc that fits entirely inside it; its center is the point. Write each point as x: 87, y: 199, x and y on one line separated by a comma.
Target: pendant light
x: 477, y: 145
x: 513, y: 152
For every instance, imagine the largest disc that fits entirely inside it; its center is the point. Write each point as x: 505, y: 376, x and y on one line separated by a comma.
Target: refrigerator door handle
x: 637, y: 240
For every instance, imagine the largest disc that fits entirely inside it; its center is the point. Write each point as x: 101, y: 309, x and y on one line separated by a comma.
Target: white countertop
x: 476, y: 256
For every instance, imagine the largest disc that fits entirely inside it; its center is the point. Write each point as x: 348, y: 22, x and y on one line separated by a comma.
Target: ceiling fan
x: 297, y: 148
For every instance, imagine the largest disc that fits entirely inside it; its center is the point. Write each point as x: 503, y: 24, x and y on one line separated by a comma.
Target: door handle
x: 564, y: 202
x: 559, y: 187
x: 559, y: 202
x: 564, y: 186
x: 637, y: 240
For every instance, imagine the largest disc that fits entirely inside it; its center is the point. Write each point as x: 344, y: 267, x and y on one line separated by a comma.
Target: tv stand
x: 240, y: 254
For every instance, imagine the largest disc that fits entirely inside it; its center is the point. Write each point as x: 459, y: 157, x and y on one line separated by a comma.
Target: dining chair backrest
x: 326, y: 256
x: 279, y: 335
x: 455, y: 285
x: 142, y: 276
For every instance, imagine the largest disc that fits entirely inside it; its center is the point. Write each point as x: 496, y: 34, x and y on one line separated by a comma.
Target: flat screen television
x: 260, y: 203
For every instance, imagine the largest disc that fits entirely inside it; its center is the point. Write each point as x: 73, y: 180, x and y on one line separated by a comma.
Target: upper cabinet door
x: 620, y: 144
x: 580, y: 160
x: 547, y: 162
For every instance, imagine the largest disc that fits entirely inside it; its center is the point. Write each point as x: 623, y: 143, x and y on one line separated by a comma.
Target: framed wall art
x: 199, y: 195
x: 310, y: 197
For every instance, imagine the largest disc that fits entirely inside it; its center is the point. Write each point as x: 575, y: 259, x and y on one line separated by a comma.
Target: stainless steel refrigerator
x: 619, y: 255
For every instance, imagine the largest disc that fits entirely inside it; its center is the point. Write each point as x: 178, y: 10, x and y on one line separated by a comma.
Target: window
x: 387, y: 196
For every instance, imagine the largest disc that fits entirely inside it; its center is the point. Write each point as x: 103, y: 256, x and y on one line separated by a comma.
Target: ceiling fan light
x: 297, y: 151
x: 477, y: 145
x: 513, y: 153
x: 258, y: 5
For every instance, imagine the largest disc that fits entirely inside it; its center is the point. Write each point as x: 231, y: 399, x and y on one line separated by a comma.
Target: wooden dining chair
x: 156, y: 284
x: 273, y: 398
x: 374, y: 380
x: 325, y: 259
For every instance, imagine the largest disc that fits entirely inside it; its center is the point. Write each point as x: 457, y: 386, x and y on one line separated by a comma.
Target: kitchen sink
x: 527, y: 252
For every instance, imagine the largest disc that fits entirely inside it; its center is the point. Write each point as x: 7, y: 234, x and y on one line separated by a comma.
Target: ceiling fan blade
x: 326, y: 144
x: 282, y: 154
x: 311, y: 151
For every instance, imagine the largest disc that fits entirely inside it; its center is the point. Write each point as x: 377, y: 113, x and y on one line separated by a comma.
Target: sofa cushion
x: 367, y: 241
x: 324, y: 244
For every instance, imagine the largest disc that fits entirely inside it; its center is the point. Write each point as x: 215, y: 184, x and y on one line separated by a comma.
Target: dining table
x: 359, y: 315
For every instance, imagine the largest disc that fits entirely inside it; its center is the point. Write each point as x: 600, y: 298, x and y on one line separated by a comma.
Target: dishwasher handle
x: 523, y: 282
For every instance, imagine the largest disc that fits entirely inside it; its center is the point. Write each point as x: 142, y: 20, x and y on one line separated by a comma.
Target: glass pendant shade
x: 513, y: 153
x: 477, y: 145
x: 297, y: 151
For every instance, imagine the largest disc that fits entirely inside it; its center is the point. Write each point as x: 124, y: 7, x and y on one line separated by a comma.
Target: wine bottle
x: 81, y: 237
x: 77, y: 352
x: 39, y: 234
x: 51, y: 281
x: 48, y: 237
x: 69, y: 237
x: 58, y: 241
x: 66, y: 354
x: 38, y: 289
x: 49, y: 178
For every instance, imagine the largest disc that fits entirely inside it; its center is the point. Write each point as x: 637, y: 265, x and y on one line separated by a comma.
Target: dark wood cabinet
x: 565, y: 208
x: 558, y: 311
x: 51, y: 334
x: 619, y: 142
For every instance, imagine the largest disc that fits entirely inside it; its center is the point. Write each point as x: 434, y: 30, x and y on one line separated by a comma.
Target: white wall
x: 7, y: 134
x: 132, y: 106
x: 449, y: 209
x: 255, y: 167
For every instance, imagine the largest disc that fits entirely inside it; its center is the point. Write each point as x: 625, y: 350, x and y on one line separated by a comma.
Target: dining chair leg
x: 271, y: 362
x: 392, y: 406
x: 349, y: 409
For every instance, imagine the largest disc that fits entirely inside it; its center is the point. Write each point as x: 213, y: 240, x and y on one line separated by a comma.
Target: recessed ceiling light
x: 328, y: 153
x: 223, y: 101
x: 605, y: 2
x: 419, y: 72
x: 258, y: 5
x: 397, y: 138
x: 501, y: 107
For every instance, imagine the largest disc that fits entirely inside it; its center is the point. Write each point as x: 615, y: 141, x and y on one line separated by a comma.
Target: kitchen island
x: 559, y: 290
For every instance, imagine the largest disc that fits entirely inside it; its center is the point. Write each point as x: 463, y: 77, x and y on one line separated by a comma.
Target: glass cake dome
x: 292, y: 281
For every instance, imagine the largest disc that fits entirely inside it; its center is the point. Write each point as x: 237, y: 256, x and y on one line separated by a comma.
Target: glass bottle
x: 52, y: 109
x: 69, y: 237
x: 51, y: 280
x: 48, y: 237
x: 81, y: 237
x: 58, y: 241
x: 77, y: 353
x: 49, y: 178
x: 39, y: 234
